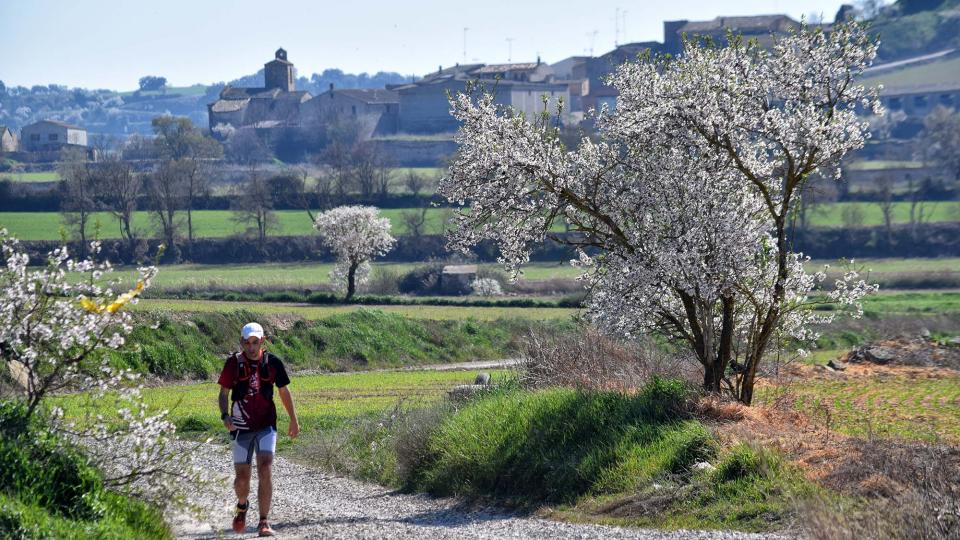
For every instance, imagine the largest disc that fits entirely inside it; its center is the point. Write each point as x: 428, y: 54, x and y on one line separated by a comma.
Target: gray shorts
x: 245, y: 443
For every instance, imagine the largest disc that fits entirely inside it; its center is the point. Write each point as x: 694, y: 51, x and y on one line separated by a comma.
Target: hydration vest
x: 242, y: 383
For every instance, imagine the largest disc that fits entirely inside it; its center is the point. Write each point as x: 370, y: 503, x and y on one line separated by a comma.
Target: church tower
x: 278, y: 73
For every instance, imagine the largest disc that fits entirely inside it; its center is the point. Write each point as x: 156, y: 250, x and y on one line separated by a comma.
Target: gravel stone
x: 308, y: 503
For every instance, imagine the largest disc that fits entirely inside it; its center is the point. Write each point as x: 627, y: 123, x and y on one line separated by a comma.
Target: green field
x: 220, y: 223
x: 206, y: 223
x: 831, y: 215
x: 310, y: 312
x: 27, y: 177
x: 912, y: 303
x: 903, y: 407
x: 298, y: 276
x: 877, y: 165
x: 322, y: 401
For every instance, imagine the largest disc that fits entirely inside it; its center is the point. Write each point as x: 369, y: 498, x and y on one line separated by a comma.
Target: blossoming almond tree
x: 56, y: 323
x: 685, y: 199
x: 356, y: 234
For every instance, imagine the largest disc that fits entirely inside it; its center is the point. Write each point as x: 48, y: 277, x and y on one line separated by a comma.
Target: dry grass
x: 588, y: 359
x: 890, y: 488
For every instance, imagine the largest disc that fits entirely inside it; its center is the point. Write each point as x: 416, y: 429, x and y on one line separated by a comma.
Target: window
x: 52, y: 137
x: 895, y: 104
x: 35, y: 137
x: 920, y: 101
x: 946, y: 100
x: 353, y: 109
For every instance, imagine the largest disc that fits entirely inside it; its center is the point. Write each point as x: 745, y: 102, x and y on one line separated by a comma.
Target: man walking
x: 247, y: 380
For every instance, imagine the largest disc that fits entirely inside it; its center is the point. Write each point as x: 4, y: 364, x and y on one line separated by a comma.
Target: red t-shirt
x: 253, y: 411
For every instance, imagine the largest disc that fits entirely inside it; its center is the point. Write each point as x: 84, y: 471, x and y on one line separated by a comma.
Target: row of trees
x: 182, y: 176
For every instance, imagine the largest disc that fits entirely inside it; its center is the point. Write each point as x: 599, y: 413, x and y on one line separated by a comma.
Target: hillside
x: 917, y: 27
x: 121, y: 114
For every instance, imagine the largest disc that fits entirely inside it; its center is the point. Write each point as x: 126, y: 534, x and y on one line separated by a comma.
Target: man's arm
x: 224, y: 400
x: 287, y: 401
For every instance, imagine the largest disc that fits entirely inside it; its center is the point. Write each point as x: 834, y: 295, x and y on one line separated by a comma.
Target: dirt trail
x: 310, y: 504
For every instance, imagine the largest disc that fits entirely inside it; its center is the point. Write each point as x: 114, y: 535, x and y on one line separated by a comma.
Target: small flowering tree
x: 686, y: 197
x: 356, y: 234
x: 55, y: 325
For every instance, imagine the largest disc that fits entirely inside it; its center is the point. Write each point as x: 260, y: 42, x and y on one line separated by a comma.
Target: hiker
x: 247, y: 380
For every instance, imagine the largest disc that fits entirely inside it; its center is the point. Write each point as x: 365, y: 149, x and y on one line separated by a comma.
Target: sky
x: 111, y: 44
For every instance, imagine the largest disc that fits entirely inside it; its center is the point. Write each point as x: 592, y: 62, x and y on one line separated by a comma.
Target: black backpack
x: 242, y: 383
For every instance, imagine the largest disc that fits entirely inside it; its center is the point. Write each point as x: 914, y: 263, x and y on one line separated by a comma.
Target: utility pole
x: 623, y: 25
x: 465, y: 44
x: 616, y: 27
x: 509, y: 50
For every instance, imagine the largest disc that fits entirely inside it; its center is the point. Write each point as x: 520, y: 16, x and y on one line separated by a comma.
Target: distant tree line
x: 320, y: 82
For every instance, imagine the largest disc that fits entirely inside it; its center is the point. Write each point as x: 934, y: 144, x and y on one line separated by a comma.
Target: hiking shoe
x: 240, y: 518
x: 263, y: 529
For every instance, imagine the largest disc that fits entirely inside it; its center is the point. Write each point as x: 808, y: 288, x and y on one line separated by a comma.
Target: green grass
x: 877, y: 165
x: 298, y: 276
x: 831, y: 215
x: 48, y: 490
x: 915, y: 408
x: 180, y: 343
x: 585, y: 450
x: 220, y: 224
x: 436, y: 313
x: 206, y: 223
x: 890, y: 266
x: 911, y: 303
x: 27, y: 177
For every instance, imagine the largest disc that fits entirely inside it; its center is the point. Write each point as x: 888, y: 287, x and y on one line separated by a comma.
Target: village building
x: 593, y: 71
x: 51, y: 135
x: 277, y: 105
x: 761, y: 28
x: 424, y: 107
x: 8, y: 140
x: 374, y: 110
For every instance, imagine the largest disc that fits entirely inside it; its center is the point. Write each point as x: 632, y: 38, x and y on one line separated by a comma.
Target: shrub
x: 486, y: 287
x: 586, y: 358
x: 550, y: 445
x: 48, y: 489
x: 424, y: 280
x: 384, y: 280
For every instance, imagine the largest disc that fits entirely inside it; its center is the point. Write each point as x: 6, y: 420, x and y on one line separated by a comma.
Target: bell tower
x: 278, y: 73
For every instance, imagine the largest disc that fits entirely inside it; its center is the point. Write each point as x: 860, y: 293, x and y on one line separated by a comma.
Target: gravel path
x: 311, y: 504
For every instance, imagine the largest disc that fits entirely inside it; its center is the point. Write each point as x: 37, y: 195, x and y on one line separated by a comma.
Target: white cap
x: 251, y: 330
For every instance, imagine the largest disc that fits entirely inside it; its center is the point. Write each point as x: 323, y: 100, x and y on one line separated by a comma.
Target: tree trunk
x: 351, y: 277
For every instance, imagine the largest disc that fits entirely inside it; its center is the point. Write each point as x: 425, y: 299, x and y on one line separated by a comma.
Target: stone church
x: 277, y: 105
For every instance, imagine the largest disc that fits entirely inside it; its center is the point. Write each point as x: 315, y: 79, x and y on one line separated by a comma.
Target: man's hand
x: 287, y: 401
x: 228, y: 422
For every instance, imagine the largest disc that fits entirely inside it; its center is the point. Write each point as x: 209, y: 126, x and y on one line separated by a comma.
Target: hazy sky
x: 111, y: 44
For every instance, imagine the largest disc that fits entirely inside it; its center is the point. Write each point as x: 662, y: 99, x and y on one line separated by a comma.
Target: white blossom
x: 355, y: 234
x: 683, y: 201
x: 486, y: 287
x: 56, y: 322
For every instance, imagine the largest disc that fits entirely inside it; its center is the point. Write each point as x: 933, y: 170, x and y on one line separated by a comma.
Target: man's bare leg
x: 265, y: 484
x: 241, y: 484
